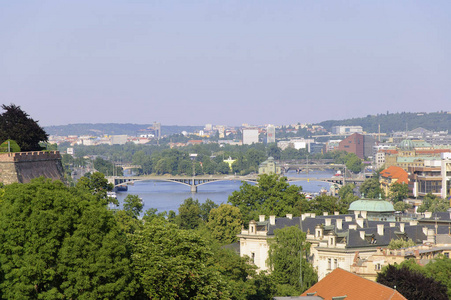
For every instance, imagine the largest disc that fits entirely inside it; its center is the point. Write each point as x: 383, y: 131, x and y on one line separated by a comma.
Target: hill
x: 438, y: 121
x: 101, y: 129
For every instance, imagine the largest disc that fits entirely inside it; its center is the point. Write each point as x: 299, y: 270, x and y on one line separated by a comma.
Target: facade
x: 22, y: 167
x: 269, y: 167
x: 346, y: 129
x: 118, y: 139
x: 250, y: 136
x: 353, y: 144
x: 271, y: 134
x: 391, y: 175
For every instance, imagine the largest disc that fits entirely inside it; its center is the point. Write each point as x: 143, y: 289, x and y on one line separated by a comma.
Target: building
x: 269, y: 166
x: 345, y: 130
x: 270, y: 134
x: 360, y: 145
x: 391, y: 175
x: 250, y: 136
x: 118, y: 139
x: 433, y: 177
x: 341, y: 284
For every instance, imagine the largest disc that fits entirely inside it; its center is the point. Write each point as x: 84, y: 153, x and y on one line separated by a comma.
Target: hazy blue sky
x: 223, y: 62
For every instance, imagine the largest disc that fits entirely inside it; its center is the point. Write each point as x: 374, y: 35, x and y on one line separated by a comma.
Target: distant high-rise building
x: 250, y: 136
x: 208, y: 127
x: 271, y: 134
x: 157, y: 130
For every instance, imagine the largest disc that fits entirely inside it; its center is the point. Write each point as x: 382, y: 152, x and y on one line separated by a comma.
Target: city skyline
x: 230, y: 63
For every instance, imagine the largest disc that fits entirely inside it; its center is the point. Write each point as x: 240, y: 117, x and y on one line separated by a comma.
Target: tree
x: 225, y: 223
x: 371, y: 189
x: 9, y: 146
x: 399, y: 191
x: 326, y: 203
x: 133, y: 205
x: 107, y: 167
x: 401, y: 206
x: 172, y: 263
x: 189, y: 216
x: 60, y: 242
x: 433, y: 203
x: 353, y: 163
x: 285, y: 252
x: 400, y: 243
x: 97, y: 185
x: 272, y: 195
x: 346, y: 194
x: 440, y: 270
x: 205, y: 209
x: 15, y: 124
x: 412, y: 284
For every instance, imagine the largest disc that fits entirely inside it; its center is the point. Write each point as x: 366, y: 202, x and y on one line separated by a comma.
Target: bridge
x: 194, y: 181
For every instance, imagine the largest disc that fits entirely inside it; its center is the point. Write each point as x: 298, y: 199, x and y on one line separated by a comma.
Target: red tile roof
x: 395, y: 173
x: 343, y: 283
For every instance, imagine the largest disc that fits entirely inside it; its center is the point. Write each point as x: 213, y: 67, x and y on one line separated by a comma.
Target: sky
x: 223, y: 62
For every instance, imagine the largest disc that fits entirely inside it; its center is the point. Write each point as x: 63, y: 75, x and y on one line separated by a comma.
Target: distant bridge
x: 194, y: 181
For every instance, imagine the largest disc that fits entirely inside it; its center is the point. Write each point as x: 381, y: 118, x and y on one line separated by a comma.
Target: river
x: 165, y: 196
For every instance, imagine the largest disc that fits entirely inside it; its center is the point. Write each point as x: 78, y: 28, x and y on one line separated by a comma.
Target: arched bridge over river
x: 194, y: 181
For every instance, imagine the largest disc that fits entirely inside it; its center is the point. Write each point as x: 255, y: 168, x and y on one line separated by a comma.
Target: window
x: 335, y: 263
x: 329, y: 263
x: 377, y: 267
x: 446, y: 254
x: 253, y: 257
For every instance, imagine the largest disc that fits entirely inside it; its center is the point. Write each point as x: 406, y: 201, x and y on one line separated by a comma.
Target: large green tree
x: 172, y: 263
x: 371, y: 189
x: 272, y: 195
x: 58, y: 242
x: 15, y: 124
x: 399, y: 191
x: 225, y: 223
x: 286, y: 251
x: 412, y: 284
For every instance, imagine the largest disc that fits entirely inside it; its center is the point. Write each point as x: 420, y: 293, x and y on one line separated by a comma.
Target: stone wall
x: 24, y: 166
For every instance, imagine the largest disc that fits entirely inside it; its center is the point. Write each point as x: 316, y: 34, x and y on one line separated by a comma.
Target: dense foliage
x: 15, y: 124
x: 286, y: 251
x: 412, y: 284
x: 439, y: 121
x: 272, y: 195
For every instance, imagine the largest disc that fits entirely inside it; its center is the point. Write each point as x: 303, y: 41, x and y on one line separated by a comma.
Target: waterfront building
x: 269, y: 166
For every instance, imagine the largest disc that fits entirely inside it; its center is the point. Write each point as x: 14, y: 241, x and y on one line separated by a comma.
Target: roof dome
x: 406, y: 145
x: 371, y: 205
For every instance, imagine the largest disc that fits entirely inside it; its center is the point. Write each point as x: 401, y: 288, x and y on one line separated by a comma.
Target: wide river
x: 165, y: 196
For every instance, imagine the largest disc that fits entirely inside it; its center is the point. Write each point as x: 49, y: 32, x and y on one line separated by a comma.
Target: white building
x: 346, y: 129
x: 118, y: 139
x: 271, y: 134
x: 250, y: 136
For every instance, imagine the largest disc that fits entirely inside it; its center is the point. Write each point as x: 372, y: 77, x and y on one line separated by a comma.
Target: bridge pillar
x: 193, y: 188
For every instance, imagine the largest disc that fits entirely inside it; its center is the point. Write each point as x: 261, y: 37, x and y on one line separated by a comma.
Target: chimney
x: 327, y: 221
x: 303, y: 216
x: 359, y: 222
x: 337, y: 213
x: 313, y: 216
x: 348, y: 219
x: 413, y: 222
x: 362, y: 234
x: 363, y: 213
x: 427, y: 214
x: 272, y: 220
x: 356, y: 213
x: 380, y: 229
x: 339, y: 223
x: 401, y: 227
x: 325, y: 213
x: 392, y: 224
x: 353, y: 226
x: 425, y: 230
x: 261, y: 218
x: 290, y: 216
x: 431, y: 236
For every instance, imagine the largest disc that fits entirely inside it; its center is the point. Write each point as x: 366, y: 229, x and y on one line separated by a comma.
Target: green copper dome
x: 371, y: 205
x: 406, y: 145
